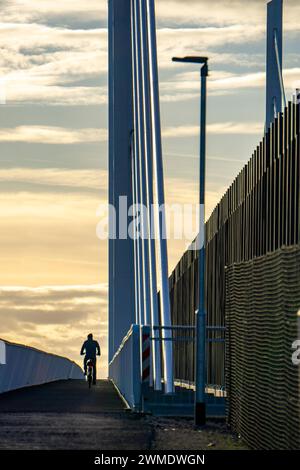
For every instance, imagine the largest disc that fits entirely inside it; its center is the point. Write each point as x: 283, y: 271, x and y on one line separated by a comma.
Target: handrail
x: 124, y: 341
x: 32, y: 348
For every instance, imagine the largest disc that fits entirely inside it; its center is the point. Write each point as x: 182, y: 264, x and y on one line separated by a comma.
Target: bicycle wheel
x: 90, y: 378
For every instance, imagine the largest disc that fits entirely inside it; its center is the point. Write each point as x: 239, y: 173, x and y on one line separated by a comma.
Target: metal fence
x: 258, y: 214
x: 183, y: 340
x: 262, y: 301
x: 125, y: 369
x: 131, y: 371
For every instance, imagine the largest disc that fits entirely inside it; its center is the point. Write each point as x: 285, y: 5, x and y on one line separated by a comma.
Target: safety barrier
x: 183, y: 340
x: 24, y: 366
x: 258, y: 214
x: 131, y: 371
x: 262, y: 301
x: 125, y: 369
x: 146, y: 354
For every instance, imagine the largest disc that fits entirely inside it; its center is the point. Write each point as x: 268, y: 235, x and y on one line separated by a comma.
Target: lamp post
x: 200, y: 373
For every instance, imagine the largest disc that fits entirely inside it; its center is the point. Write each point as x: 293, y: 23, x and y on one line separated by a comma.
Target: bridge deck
x: 67, y: 415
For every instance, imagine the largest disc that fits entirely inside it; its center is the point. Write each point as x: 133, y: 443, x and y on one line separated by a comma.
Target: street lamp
x: 200, y: 373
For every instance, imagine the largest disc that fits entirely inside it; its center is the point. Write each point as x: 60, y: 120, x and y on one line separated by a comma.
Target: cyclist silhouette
x: 91, y: 349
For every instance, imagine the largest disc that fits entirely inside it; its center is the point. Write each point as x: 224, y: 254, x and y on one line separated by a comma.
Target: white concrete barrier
x: 23, y: 366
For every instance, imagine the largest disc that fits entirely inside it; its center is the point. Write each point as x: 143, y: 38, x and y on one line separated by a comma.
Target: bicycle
x: 90, y: 372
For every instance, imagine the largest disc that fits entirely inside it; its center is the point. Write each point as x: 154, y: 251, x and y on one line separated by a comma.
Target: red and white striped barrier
x: 146, y: 353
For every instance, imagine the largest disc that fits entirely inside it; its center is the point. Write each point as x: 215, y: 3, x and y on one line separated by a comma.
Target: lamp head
x: 191, y: 59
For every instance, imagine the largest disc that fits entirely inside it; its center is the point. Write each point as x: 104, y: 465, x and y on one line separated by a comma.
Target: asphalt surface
x: 67, y: 415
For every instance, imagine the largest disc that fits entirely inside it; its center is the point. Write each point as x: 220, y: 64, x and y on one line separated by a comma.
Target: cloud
x: 49, y: 237
x: 52, y: 135
x: 24, y: 92
x: 56, y: 177
x: 52, y: 58
x: 55, y: 318
x: 224, y: 45
x: 34, y: 10
x: 184, y: 86
x: 185, y: 41
x: 39, y: 70
x: 222, y: 12
x: 219, y: 81
x: 223, y: 128
x: 43, y: 68
x: 183, y: 191
x: 61, y: 135
x: 14, y: 295
x: 174, y: 97
x: 47, y: 67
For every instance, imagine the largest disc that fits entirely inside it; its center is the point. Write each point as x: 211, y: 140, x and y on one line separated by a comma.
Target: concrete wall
x: 23, y: 366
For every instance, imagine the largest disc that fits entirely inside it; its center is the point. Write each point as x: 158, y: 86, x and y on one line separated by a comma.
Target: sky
x: 53, y: 144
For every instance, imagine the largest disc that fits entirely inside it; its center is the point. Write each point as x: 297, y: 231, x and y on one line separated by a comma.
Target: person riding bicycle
x: 91, y: 349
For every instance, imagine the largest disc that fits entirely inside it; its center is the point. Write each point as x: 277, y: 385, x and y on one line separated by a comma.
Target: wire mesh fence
x: 262, y: 382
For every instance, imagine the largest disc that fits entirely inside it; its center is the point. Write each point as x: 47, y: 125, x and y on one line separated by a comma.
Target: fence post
x: 200, y: 377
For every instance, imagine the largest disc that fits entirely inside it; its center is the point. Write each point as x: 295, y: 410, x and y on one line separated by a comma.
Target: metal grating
x: 262, y: 301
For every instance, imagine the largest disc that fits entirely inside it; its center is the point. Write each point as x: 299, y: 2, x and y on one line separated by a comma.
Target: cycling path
x: 67, y: 415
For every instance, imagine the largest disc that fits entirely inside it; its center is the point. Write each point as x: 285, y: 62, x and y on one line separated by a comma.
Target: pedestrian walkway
x: 67, y: 415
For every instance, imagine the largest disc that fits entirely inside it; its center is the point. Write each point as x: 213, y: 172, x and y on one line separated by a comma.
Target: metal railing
x: 125, y: 369
x: 183, y: 340
x: 131, y: 370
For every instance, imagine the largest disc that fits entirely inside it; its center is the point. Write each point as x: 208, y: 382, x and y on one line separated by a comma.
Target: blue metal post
x: 136, y: 175
x: 275, y: 90
x: 142, y: 162
x: 121, y: 251
x: 156, y: 363
x: 200, y: 359
x: 160, y: 199
x: 200, y: 408
x: 137, y: 297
